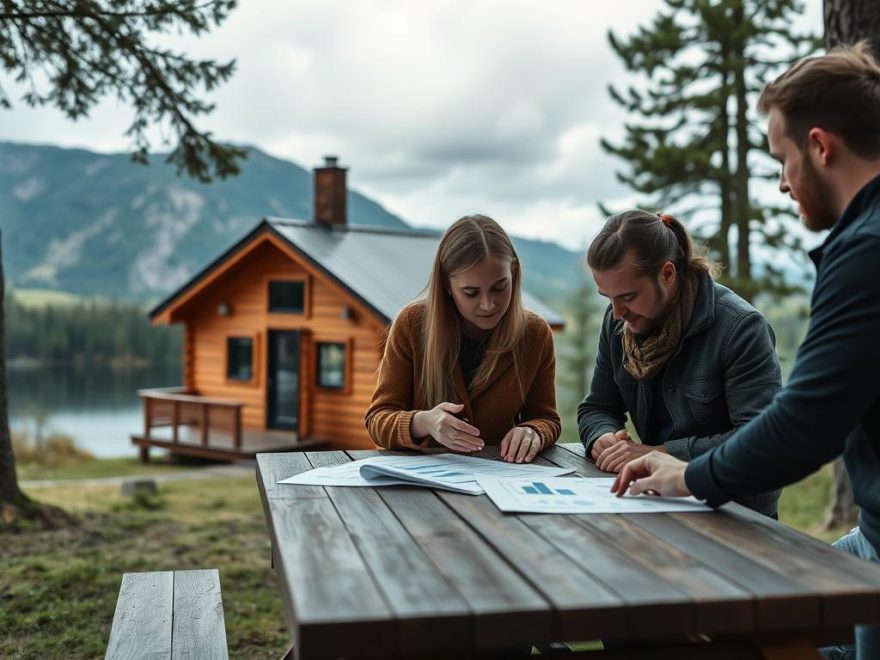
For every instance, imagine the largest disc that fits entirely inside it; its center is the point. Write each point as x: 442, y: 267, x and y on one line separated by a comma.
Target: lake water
x: 97, y: 406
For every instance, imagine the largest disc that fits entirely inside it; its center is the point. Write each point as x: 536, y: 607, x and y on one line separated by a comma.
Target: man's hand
x: 607, y: 440
x: 520, y: 445
x: 655, y: 473
x: 619, y: 454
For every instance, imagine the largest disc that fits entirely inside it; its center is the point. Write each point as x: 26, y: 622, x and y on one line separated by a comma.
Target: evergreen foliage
x: 696, y: 145
x: 71, y: 53
x: 576, y: 352
x: 89, y: 332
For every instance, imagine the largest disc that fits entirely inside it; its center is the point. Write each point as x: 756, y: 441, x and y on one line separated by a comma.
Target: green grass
x: 803, y: 505
x: 58, y: 589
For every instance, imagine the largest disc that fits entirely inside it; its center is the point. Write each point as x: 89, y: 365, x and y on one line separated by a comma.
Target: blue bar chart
x: 540, y: 488
x: 574, y: 495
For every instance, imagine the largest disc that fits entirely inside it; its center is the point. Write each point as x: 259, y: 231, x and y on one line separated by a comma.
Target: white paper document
x: 587, y: 495
x: 448, y: 471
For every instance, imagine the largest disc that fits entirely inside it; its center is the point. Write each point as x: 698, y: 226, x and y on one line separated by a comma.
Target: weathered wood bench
x: 169, y: 614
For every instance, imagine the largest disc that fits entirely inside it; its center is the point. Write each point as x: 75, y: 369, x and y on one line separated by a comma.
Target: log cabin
x: 284, y: 332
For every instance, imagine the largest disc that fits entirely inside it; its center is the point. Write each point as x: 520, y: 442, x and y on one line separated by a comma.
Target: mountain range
x: 95, y: 224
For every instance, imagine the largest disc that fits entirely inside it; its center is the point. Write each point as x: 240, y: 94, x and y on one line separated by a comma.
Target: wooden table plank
x: 507, y: 610
x: 447, y: 561
x: 199, y: 627
x: 847, y: 596
x: 430, y: 613
x: 867, y: 572
x: 849, y: 585
x: 717, y: 605
x: 781, y: 603
x: 333, y: 606
x: 653, y: 607
x: 572, y: 455
x: 583, y: 604
x: 144, y: 613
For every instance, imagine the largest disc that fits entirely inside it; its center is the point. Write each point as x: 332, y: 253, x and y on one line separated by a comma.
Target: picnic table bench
x: 413, y: 572
x: 169, y: 614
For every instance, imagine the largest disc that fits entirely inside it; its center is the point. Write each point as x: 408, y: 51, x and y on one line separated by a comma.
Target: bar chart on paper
x: 591, y: 495
x: 539, y: 494
x: 540, y: 488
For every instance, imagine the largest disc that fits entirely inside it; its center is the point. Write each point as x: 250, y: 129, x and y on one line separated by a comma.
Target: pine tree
x: 576, y: 352
x: 698, y: 146
x: 70, y: 54
x: 849, y: 21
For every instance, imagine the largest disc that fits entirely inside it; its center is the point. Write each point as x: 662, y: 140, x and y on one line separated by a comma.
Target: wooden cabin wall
x: 324, y: 413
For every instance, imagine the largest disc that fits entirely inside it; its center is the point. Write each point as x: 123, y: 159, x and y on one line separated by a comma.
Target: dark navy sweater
x: 831, y: 405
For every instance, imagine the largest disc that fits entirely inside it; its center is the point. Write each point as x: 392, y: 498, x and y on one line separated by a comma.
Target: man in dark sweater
x: 824, y: 129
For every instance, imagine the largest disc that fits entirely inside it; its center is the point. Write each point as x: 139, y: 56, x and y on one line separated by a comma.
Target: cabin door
x: 283, y: 380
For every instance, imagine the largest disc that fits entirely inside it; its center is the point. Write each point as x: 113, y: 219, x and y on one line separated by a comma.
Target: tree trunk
x: 843, y: 511
x: 10, y: 494
x: 741, y: 182
x: 849, y: 21
x: 726, y: 176
x: 15, y: 505
x: 846, y: 22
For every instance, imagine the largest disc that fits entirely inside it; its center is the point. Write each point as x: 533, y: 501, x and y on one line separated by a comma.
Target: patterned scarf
x: 645, y: 355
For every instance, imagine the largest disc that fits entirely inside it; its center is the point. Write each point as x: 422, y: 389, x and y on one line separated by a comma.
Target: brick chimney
x: 330, y: 193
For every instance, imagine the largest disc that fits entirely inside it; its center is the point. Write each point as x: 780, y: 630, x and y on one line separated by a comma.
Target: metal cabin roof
x: 384, y: 267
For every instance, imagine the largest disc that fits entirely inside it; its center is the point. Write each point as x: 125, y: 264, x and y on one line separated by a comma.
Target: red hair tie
x: 666, y: 219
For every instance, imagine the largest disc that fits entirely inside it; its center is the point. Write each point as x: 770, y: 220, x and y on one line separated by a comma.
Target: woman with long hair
x: 466, y: 366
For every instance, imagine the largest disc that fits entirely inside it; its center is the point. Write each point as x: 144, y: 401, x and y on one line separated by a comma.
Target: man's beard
x: 814, y: 198
x: 655, y: 324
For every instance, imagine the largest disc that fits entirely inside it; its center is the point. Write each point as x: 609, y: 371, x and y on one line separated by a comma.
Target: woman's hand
x: 441, y: 424
x: 521, y: 444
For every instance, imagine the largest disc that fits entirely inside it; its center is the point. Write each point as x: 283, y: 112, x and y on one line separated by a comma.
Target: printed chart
x: 587, y: 495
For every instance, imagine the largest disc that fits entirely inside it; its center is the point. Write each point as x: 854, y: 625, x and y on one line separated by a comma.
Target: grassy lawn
x: 58, y: 589
x: 804, y: 504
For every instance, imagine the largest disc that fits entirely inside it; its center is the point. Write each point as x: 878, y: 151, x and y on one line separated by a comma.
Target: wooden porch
x: 187, y: 424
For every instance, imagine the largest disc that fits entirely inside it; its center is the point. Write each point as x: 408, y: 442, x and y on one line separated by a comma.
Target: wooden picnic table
x: 410, y: 572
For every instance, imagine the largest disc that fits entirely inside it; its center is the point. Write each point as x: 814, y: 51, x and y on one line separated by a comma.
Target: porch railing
x: 185, y: 411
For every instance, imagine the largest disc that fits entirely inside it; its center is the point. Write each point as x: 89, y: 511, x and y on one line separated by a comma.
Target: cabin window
x: 239, y: 358
x: 331, y: 365
x: 288, y: 297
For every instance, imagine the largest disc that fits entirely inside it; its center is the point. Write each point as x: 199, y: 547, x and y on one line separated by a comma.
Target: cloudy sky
x: 438, y: 107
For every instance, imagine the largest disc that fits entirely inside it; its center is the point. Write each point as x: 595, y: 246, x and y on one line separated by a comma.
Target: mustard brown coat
x: 494, y: 408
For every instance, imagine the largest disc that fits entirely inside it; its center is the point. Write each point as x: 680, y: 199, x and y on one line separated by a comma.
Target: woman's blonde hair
x: 466, y: 243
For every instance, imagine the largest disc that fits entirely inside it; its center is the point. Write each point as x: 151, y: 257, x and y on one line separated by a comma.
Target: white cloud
x: 439, y: 108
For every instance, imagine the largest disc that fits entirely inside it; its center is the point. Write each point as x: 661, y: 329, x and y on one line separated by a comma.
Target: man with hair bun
x: 824, y: 129
x: 686, y: 358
